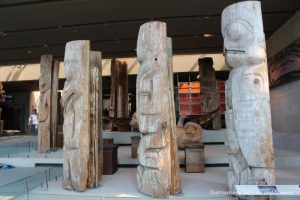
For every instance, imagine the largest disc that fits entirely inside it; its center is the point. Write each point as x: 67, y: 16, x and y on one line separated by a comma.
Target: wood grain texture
x: 44, y: 107
x: 285, y: 64
x: 175, y: 185
x: 207, y: 84
x: 248, y: 117
x: 2, y: 93
x: 186, y: 134
x: 48, y: 111
x: 194, y: 159
x: 216, y: 121
x: 95, y: 159
x: 1, y: 123
x: 81, y: 104
x: 118, y: 93
x: 158, y: 172
x: 54, y: 102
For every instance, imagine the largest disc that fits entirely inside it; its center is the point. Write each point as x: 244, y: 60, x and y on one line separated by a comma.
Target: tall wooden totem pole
x: 158, y: 172
x: 82, y: 102
x: 2, y: 99
x: 248, y: 116
x: 119, y: 95
x: 210, y: 95
x: 47, y: 117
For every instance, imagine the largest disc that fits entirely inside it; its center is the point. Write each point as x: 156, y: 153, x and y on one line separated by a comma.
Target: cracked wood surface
x: 248, y: 116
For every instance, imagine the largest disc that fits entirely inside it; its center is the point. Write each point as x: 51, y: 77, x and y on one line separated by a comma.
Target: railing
x: 20, y: 148
x: 23, y: 186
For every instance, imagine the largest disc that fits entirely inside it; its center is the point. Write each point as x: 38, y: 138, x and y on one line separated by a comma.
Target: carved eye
x: 256, y: 81
x: 237, y: 31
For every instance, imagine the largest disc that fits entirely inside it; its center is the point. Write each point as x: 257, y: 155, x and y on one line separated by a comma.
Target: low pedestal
x: 135, y: 140
x: 108, y: 141
x: 110, y: 159
x: 194, y: 158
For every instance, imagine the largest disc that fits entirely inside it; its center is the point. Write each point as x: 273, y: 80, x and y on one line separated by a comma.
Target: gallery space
x: 38, y: 35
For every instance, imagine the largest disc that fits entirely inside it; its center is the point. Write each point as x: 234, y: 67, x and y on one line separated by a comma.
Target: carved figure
x: 158, y: 172
x: 248, y: 117
x: 48, y: 85
x: 82, y: 128
x: 134, y: 122
x: 187, y: 133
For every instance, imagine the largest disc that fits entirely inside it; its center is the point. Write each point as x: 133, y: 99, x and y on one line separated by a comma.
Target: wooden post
x: 216, y: 121
x: 82, y: 117
x: 158, y: 172
x: 95, y: 162
x: 118, y: 93
x: 248, y: 116
x: 54, y: 102
x: 175, y: 186
x: 209, y: 95
x: 1, y: 123
x: 47, y: 116
x: 2, y: 92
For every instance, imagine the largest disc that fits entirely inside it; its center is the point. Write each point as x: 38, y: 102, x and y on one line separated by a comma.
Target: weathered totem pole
x: 119, y: 95
x: 82, y: 103
x: 2, y: 99
x: 47, y: 117
x: 210, y: 99
x: 1, y: 123
x: 248, y: 117
x: 158, y: 172
x: 2, y: 93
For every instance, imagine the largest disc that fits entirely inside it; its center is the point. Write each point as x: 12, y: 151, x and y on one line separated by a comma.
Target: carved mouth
x: 234, y: 51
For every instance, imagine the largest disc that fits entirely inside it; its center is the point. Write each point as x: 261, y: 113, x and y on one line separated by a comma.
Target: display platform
x: 215, y: 152
x: 208, y: 185
x: 215, y: 155
x: 208, y: 136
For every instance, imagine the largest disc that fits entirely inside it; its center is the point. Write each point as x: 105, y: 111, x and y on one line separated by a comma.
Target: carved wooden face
x: 242, y: 29
x: 150, y: 101
x: 150, y: 93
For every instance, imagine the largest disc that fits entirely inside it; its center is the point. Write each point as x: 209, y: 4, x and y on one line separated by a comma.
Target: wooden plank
x: 54, y: 102
x: 44, y: 107
x: 175, y: 186
x: 119, y: 94
x: 95, y: 156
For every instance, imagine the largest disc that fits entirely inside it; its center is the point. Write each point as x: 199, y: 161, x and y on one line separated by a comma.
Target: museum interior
x: 107, y: 99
